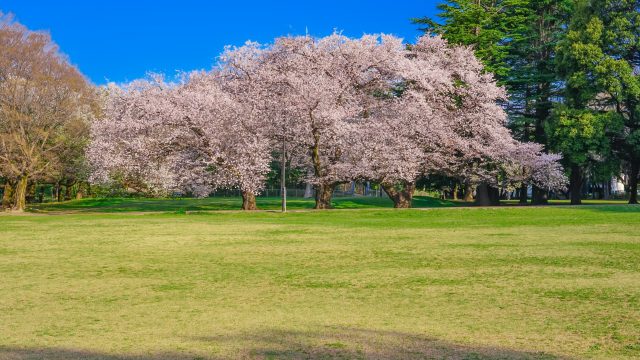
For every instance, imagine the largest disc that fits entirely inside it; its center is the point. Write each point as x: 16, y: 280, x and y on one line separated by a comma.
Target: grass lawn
x: 225, y: 203
x: 463, y: 283
x: 180, y: 205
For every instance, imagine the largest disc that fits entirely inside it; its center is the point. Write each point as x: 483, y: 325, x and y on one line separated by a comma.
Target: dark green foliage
x: 582, y: 135
x: 486, y: 25
x: 599, y: 60
x: 580, y: 57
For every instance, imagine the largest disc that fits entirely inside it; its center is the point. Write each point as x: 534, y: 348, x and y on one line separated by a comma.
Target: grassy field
x: 106, y: 280
x: 110, y: 205
x: 225, y: 203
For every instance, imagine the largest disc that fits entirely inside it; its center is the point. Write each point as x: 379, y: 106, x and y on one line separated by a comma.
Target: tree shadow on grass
x: 329, y: 343
x: 15, y: 353
x: 355, y: 343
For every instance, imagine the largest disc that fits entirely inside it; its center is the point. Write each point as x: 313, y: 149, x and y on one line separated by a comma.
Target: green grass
x: 568, y: 202
x: 467, y: 283
x: 117, y: 205
x: 224, y: 203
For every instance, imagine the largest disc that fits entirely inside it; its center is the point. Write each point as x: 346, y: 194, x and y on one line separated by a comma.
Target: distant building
x: 617, y: 186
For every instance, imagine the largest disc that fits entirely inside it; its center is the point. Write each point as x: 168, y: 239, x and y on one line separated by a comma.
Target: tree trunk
x: 249, y: 201
x: 455, y: 191
x: 523, y: 194
x: 67, y: 190
x: 487, y: 195
x: 606, y: 186
x: 468, y: 191
x: 58, y: 192
x: 401, y: 198
x: 7, y: 195
x: 539, y: 196
x: 80, y: 192
x: 494, y: 196
x: 41, y: 194
x: 633, y: 182
x: 31, y: 192
x: 20, y: 199
x: 575, y: 185
x: 482, y: 195
x: 324, y: 192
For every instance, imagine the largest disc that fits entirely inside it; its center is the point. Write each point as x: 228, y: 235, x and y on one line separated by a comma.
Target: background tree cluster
x: 563, y: 74
x: 571, y: 71
x: 338, y: 109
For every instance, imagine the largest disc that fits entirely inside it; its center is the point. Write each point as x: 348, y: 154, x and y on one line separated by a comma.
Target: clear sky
x: 114, y: 40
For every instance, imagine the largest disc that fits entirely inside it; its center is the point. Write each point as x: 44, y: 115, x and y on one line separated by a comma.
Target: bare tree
x: 43, y: 98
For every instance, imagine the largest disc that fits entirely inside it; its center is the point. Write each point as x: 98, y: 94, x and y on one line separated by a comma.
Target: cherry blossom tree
x: 443, y: 117
x: 528, y: 164
x: 124, y: 143
x: 369, y: 108
x: 190, y: 137
x: 310, y: 90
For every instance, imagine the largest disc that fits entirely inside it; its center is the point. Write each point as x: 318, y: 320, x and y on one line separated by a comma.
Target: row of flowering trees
x: 372, y: 108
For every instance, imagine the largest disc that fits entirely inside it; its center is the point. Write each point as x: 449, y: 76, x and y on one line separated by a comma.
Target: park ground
x: 179, y: 279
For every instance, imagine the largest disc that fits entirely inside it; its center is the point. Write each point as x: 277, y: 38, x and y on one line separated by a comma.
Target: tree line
x: 570, y: 68
x: 342, y: 109
x: 496, y: 95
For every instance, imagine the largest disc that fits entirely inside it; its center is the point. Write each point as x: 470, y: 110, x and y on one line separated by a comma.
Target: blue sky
x: 112, y: 40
